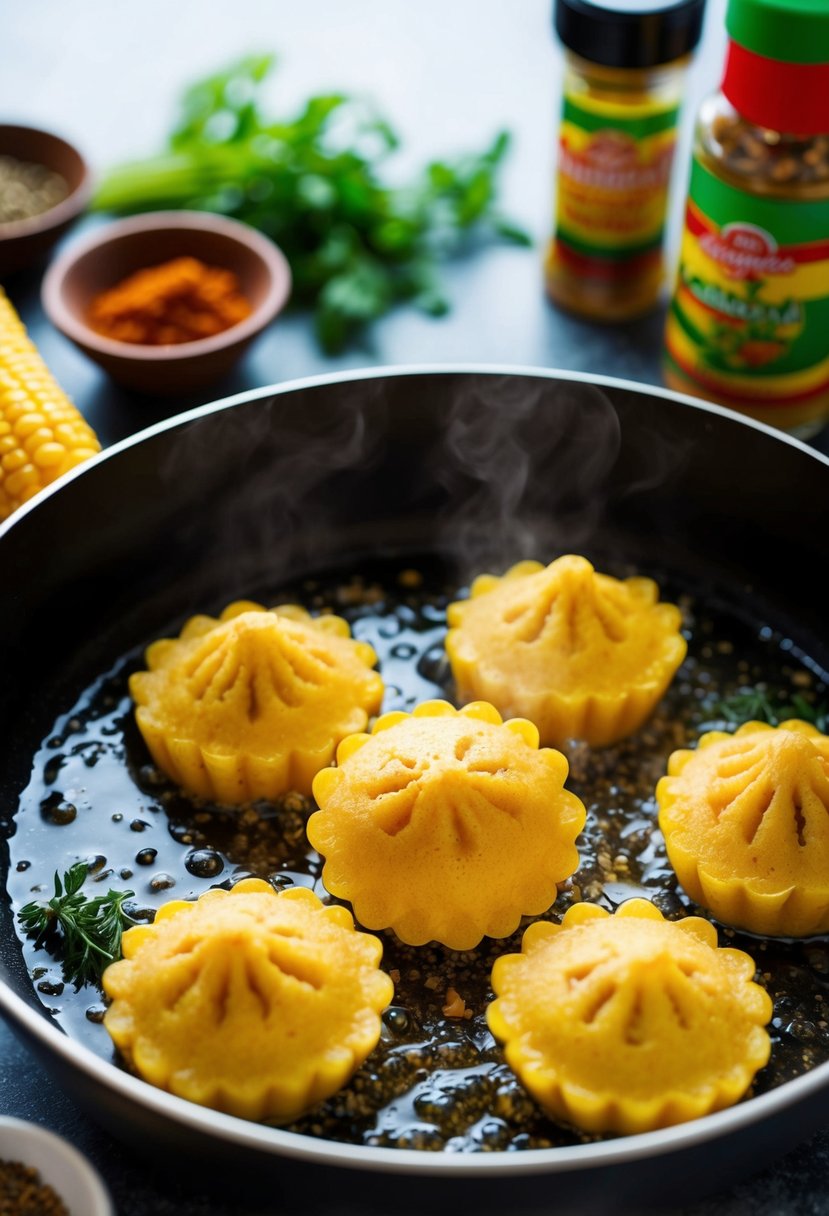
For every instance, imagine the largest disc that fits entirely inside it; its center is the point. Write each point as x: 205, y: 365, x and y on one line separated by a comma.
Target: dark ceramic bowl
x: 118, y: 248
x: 25, y: 242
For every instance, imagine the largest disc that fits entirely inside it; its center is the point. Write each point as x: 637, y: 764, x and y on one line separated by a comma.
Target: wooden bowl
x: 118, y: 248
x: 25, y: 242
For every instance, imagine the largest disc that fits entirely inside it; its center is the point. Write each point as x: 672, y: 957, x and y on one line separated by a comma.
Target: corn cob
x: 42, y: 434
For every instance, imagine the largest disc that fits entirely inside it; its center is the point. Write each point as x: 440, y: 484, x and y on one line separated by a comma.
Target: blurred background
x: 447, y: 76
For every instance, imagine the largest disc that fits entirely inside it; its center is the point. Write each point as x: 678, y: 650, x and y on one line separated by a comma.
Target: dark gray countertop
x: 448, y: 75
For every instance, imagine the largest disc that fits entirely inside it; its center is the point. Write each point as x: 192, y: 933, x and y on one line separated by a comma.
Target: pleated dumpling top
x: 581, y: 654
x: 446, y: 825
x: 253, y: 704
x: 253, y: 1002
x: 628, y: 1022
x: 746, y: 823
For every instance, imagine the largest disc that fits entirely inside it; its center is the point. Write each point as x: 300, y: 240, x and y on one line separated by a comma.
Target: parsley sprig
x: 88, y: 930
x: 316, y: 184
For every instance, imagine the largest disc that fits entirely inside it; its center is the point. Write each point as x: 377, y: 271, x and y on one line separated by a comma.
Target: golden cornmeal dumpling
x: 581, y: 654
x: 446, y: 825
x: 253, y: 704
x: 251, y: 1002
x: 628, y: 1022
x: 746, y: 823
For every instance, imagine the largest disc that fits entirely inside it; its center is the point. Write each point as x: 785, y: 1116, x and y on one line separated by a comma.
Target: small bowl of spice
x: 45, y: 184
x: 41, y: 1174
x: 166, y: 302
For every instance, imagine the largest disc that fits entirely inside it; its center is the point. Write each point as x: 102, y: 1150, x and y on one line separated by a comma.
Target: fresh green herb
x: 356, y: 246
x: 89, y: 930
x: 755, y: 705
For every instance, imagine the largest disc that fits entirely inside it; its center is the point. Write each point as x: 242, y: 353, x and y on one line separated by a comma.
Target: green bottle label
x: 749, y: 320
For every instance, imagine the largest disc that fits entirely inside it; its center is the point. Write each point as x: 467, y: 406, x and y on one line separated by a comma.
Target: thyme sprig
x: 756, y: 705
x: 87, y: 930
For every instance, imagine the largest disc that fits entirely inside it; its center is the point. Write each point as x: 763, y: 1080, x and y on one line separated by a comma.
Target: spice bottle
x: 624, y: 70
x: 749, y: 321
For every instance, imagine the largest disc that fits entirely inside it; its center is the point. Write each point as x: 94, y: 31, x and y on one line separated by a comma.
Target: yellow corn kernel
x: 42, y: 434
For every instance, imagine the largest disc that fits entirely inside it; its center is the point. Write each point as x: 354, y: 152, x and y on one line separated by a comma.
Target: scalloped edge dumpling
x: 283, y: 707
x: 496, y: 641
x: 250, y: 1001
x: 745, y: 816
x: 594, y: 1008
x: 422, y: 835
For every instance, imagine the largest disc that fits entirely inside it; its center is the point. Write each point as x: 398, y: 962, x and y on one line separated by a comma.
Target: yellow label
x: 614, y: 169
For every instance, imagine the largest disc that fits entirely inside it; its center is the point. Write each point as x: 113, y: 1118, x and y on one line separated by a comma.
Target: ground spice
x: 28, y: 189
x: 179, y: 301
x: 23, y: 1194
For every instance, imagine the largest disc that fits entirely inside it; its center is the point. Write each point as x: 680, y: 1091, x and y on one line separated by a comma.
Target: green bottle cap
x: 794, y: 31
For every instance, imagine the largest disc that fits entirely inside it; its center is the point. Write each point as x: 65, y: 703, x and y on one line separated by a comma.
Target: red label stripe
x: 607, y: 269
x: 699, y: 224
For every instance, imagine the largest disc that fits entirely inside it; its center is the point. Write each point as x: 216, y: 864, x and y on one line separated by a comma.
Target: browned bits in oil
x: 410, y: 579
x: 437, y: 1080
x: 455, y: 1006
x: 357, y: 593
x: 23, y: 1194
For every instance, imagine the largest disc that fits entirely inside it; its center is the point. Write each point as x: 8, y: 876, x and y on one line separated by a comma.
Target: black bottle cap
x: 629, y: 33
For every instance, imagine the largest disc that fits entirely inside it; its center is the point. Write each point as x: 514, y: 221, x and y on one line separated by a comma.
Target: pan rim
x: 386, y: 371
x: 274, y: 1141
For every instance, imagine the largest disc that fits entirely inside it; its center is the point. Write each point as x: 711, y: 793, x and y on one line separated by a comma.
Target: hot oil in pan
x: 434, y: 1082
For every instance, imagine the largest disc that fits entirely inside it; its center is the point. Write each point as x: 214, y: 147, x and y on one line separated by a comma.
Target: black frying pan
x: 484, y: 465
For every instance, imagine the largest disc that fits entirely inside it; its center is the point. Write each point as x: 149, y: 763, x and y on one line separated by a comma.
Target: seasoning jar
x: 624, y: 70
x: 749, y: 321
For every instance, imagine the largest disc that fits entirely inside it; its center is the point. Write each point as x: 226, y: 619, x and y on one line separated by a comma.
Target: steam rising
x: 526, y: 465
x: 489, y: 469
x: 272, y: 504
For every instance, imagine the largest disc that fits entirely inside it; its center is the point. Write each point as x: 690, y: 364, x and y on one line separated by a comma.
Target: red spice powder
x: 179, y: 301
